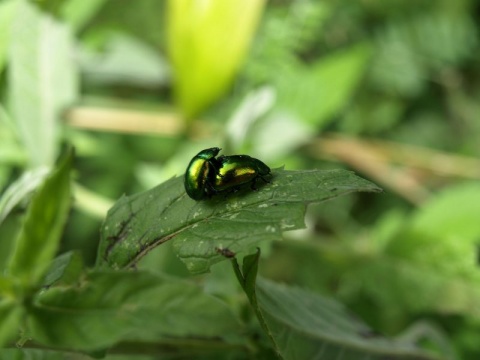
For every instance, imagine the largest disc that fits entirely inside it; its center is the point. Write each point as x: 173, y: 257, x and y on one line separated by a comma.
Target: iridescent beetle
x: 207, y: 175
x: 200, y: 174
x: 237, y: 170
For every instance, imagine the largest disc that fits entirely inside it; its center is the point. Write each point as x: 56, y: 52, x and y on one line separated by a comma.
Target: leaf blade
x: 111, y: 306
x: 331, y: 79
x: 239, y: 222
x: 42, y: 80
x: 6, y: 11
x: 196, y: 35
x: 11, y: 314
x: 306, y: 325
x: 39, y: 237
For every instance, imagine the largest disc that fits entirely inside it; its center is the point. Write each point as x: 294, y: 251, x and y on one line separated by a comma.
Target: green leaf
x: 430, y: 260
x: 11, y: 152
x: 127, y: 61
x: 32, y: 354
x: 42, y: 80
x: 65, y: 269
x: 237, y: 221
x: 303, y: 325
x: 432, y: 263
x: 111, y: 306
x: 40, y: 235
x: 255, y: 105
x: 78, y: 12
x: 318, y: 92
x: 207, y: 42
x: 437, y: 218
x: 20, y: 188
x: 247, y: 277
x: 306, y: 326
x: 6, y: 12
x: 11, y: 314
x: 249, y: 271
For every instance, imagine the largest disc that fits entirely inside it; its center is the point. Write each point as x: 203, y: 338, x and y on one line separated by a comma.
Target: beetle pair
x: 207, y: 175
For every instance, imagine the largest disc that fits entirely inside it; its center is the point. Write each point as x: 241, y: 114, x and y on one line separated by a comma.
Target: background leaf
x: 22, y: 354
x: 11, y: 151
x: 19, y: 189
x: 237, y: 221
x: 306, y: 325
x: 437, y: 218
x: 324, y: 88
x: 208, y: 40
x: 108, y: 307
x: 11, y: 313
x: 126, y: 60
x: 40, y: 235
x: 6, y: 12
x: 441, y: 244
x: 429, y: 259
x: 42, y: 80
x: 64, y: 269
x: 79, y: 12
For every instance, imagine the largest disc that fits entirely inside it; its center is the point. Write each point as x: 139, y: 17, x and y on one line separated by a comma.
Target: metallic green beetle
x: 206, y: 175
x: 200, y: 174
x: 238, y: 170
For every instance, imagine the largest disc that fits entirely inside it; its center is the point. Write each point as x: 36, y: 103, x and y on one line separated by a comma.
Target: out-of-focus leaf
x: 283, y: 34
x: 78, y: 12
x: 40, y: 235
x: 408, y: 50
x: 237, y: 221
x: 6, y: 13
x: 452, y: 214
x: 42, y: 80
x: 255, y: 105
x: 125, y: 60
x: 35, y: 354
x: 396, y: 68
x: 430, y: 262
x: 90, y: 202
x: 317, y: 92
x: 373, y: 114
x: 11, y: 313
x: 108, y: 307
x: 457, y: 34
x: 207, y: 42
x: 65, y: 269
x: 20, y: 188
x: 279, y: 134
x: 10, y: 151
x: 303, y: 325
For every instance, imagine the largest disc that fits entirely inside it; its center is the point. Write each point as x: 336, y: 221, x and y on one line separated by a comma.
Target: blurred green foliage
x: 270, y: 81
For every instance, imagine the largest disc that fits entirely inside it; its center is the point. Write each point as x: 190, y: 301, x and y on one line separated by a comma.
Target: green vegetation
x: 102, y: 107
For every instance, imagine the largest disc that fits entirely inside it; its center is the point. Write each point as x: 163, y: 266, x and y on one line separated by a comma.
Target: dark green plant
x: 54, y: 301
x: 372, y: 71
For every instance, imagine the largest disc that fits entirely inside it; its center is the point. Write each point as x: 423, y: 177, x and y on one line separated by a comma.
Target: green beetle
x: 200, y: 174
x: 238, y: 170
x: 206, y: 175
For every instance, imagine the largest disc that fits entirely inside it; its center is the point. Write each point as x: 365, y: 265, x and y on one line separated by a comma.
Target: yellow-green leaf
x: 207, y: 42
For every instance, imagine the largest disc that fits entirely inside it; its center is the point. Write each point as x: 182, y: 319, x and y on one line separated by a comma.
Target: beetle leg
x: 254, y: 181
x: 264, y: 180
x: 209, y: 190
